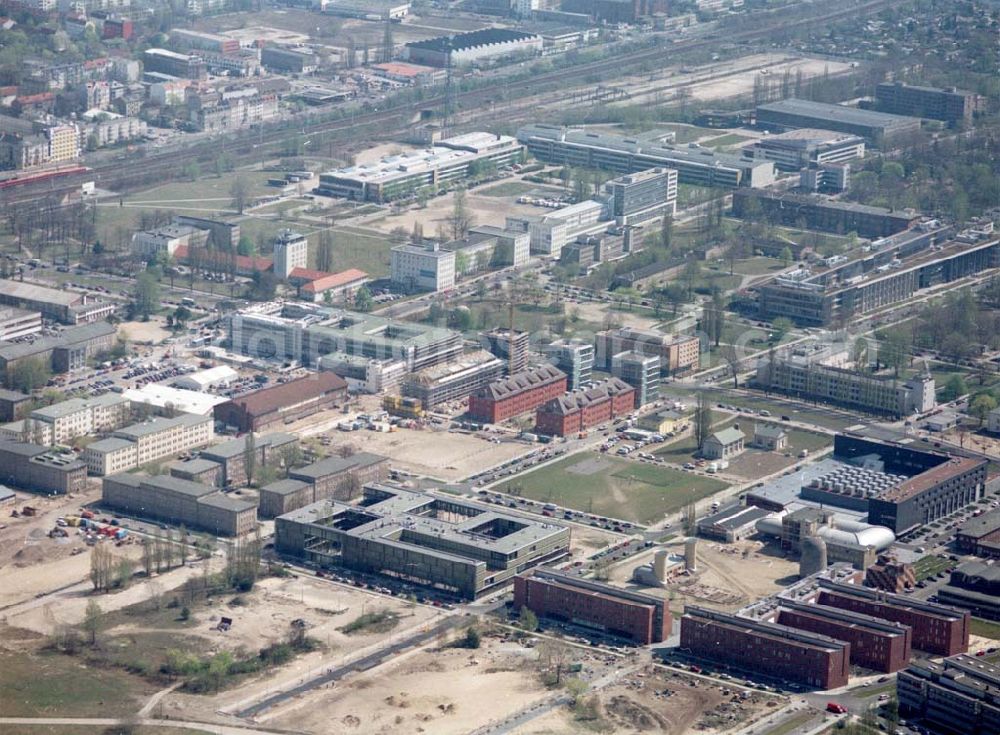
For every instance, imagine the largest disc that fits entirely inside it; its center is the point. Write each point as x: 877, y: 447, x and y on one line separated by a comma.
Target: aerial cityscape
x: 499, y: 367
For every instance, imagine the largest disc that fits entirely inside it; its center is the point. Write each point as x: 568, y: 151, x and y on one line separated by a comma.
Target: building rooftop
x: 225, y: 502
x: 522, y: 381
x: 462, y: 41
x: 475, y: 361
x: 195, y: 466
x: 181, y: 399
x: 880, y: 596
x: 770, y: 431
x: 729, y: 435
x: 335, y: 465
x: 155, y: 425
x: 74, y: 405
x: 782, y: 633
x: 13, y: 396
x: 111, y: 444
x: 981, y: 525
x: 929, y: 478
x: 32, y: 292
x: 335, y: 280
x: 284, y: 487
x: 735, y: 516
x: 268, y: 400
x: 580, y: 398
x: 840, y: 113
x: 235, y: 447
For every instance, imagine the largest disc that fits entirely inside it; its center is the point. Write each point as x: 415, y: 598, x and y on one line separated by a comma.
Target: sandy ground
x: 434, y: 691
x: 152, y: 331
x: 439, y: 454
x: 725, y: 579
x: 485, y: 210
x: 595, y: 312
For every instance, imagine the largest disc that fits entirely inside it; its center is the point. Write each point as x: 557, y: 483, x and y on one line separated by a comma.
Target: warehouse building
x: 678, y: 353
x: 40, y: 469
x: 68, y: 350
x: 810, y: 659
x: 583, y: 408
x: 282, y: 403
x: 207, y: 380
x: 516, y: 394
x: 820, y: 213
x: 819, y: 374
x: 732, y: 524
x: 181, y: 502
x: 955, y: 697
x: 443, y: 543
x: 974, y: 586
x: 446, y: 162
x: 798, y: 149
x: 937, y: 629
x: 152, y: 440
x: 875, y: 643
x: 949, y: 105
x: 232, y: 455
x: 453, y: 381
x: 473, y: 48
x: 66, y: 307
x: 307, y: 332
x: 167, y: 400
x: 980, y: 535
x: 877, y: 128
x: 694, y: 165
x: 637, y: 617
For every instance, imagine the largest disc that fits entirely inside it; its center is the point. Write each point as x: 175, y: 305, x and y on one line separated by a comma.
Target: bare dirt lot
x: 434, y: 691
x: 728, y: 575
x: 153, y: 332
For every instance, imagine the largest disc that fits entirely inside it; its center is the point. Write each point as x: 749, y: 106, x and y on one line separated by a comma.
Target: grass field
x: 818, y: 415
x: 53, y: 684
x: 792, y: 724
x: 614, y: 487
x: 725, y: 141
x: 985, y: 628
x: 757, y: 266
x: 930, y: 565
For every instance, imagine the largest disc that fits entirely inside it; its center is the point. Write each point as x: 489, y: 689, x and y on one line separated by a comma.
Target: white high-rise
x: 291, y: 250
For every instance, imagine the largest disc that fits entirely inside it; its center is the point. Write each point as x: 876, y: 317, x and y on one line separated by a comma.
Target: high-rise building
x: 291, y: 250
x: 423, y: 268
x: 575, y: 358
x: 512, y: 347
x: 643, y: 196
x: 640, y: 371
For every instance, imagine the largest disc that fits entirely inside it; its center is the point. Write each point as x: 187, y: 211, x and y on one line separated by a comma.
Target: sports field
x: 613, y: 487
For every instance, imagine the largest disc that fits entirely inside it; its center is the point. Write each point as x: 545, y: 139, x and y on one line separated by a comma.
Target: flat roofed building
x: 166, y: 399
x: 15, y: 322
x: 198, y: 469
x: 67, y: 307
x: 181, y: 502
x: 474, y: 47
x: 71, y: 349
x: 283, y: 403
x: 443, y: 543
x: 62, y: 422
x: 232, y: 455
x: 875, y: 643
x: 423, y: 267
x: 980, y: 535
x: 733, y: 523
x: 937, y: 629
x: 775, y: 650
x: 797, y: 149
x: 641, y: 618
x: 219, y: 376
x: 575, y: 357
x: 957, y: 696
x: 643, y: 196
x: 453, y: 381
x: 974, y: 586
x: 678, y: 353
x: 151, y: 440
x: 402, y: 175
x: 694, y: 164
x: 949, y: 105
x: 516, y: 394
x: 341, y: 478
x: 875, y: 127
x: 40, y: 469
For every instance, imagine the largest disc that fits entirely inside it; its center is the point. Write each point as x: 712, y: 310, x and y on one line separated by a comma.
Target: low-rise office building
x: 15, y: 322
x: 677, y: 353
x: 71, y: 349
x: 232, y: 455
x: 640, y: 618
x: 949, y: 105
x: 775, y: 650
x: 197, y: 469
x: 581, y: 409
x: 182, y: 502
x: 66, y: 307
x: 282, y: 403
x: 733, y: 523
x: 453, y: 381
x: 878, y: 128
x: 140, y: 444
x: 954, y: 697
x: 339, y: 478
x: 62, y: 422
x: 516, y: 394
x: 423, y: 267
x: 443, y: 543
x: 980, y: 535
x: 798, y: 149
x: 40, y: 469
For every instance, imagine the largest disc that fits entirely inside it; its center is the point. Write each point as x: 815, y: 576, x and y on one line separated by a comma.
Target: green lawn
x: 792, y: 724
x: 614, y: 487
x: 56, y: 685
x: 757, y: 266
x: 985, y: 628
x: 930, y: 566
x: 725, y: 141
x: 817, y: 416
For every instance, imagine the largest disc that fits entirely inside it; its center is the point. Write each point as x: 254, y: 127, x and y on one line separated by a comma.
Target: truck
x: 836, y: 708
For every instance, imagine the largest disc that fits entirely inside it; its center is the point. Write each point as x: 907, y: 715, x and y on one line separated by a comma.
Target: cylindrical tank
x: 813, y: 556
x: 660, y: 565
x: 691, y: 555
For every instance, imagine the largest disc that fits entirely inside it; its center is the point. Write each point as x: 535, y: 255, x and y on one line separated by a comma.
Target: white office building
x: 291, y: 250
x: 423, y: 267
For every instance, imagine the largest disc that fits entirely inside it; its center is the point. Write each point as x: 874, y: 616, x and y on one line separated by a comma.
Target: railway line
x: 140, y: 170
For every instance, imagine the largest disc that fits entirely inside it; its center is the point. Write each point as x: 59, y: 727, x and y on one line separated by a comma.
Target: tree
x: 263, y: 286
x: 123, y: 572
x: 786, y: 256
x: 324, y: 252
x: 954, y: 387
x: 363, y: 299
x: 29, y: 374
x: 529, y: 621
x: 93, y: 621
x: 250, y: 457
x: 246, y: 246
x: 146, y: 298
x: 240, y: 192
x: 667, y: 232
x: 102, y: 566
x: 981, y: 406
x: 781, y: 326
x: 461, y: 219
x: 690, y: 274
x: 702, y: 419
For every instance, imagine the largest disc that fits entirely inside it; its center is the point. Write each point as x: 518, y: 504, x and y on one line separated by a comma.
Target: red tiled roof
x: 217, y: 258
x: 333, y: 280
x: 306, y: 274
x: 268, y: 400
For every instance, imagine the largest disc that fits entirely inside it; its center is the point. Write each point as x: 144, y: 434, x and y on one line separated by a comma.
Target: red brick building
x: 516, y: 394
x: 891, y: 575
x: 937, y: 629
x: 585, y: 407
x: 641, y: 618
x: 980, y: 535
x: 875, y: 644
x: 283, y: 403
x: 767, y: 648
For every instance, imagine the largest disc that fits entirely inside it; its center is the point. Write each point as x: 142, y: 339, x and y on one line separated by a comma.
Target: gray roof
x: 284, y: 487
x: 70, y: 336
x: 235, y: 447
x: 5, y: 492
x: 840, y: 113
x: 336, y: 465
x: 729, y: 435
x: 13, y: 395
x: 178, y: 485
x: 981, y: 525
x: 769, y: 430
x: 73, y: 405
x: 735, y: 516
x: 111, y: 444
x: 195, y: 466
x: 159, y: 423
x: 221, y: 500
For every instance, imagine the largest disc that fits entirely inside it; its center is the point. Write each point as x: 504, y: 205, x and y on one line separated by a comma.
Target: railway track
x: 149, y: 169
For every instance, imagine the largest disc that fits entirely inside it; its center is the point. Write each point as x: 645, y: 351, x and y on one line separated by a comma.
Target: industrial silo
x: 813, y: 556
x: 691, y: 555
x: 660, y: 565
